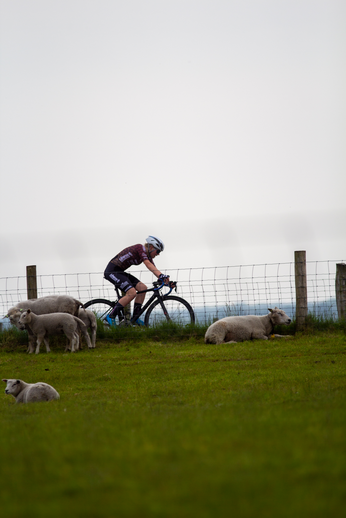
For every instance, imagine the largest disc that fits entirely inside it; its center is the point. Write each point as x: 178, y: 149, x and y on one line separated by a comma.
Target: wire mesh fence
x: 213, y: 292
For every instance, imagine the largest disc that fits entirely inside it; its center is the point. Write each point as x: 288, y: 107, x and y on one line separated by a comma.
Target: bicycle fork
x: 165, y: 312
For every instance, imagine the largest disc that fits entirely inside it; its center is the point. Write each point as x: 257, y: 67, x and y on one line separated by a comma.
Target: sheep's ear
x: 5, y: 381
x: 271, y: 310
x: 18, y: 381
x: 28, y: 310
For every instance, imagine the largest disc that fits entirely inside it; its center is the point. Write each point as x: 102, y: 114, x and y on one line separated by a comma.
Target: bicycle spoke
x: 178, y: 311
x: 101, y: 308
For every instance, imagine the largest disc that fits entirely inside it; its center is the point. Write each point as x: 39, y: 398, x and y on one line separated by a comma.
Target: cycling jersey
x: 132, y: 255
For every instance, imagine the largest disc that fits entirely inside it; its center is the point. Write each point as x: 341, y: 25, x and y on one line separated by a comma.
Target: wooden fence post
x: 301, y: 289
x: 31, y: 282
x: 340, y: 290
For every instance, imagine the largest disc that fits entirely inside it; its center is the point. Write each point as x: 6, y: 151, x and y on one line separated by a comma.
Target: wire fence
x: 213, y: 292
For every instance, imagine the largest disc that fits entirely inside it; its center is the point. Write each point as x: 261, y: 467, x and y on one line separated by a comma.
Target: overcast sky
x: 217, y: 125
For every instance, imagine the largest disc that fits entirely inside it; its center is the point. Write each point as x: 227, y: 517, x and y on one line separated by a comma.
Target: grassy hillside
x: 160, y: 426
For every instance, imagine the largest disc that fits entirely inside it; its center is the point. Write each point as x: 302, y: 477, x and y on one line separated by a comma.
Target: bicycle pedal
x: 123, y: 323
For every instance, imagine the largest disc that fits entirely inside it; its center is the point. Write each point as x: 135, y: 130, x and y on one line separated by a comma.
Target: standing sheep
x: 30, y: 392
x: 231, y: 330
x: 43, y: 306
x: 44, y: 325
x: 89, y: 319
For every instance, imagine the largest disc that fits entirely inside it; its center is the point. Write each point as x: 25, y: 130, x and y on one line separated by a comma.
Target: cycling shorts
x: 122, y: 280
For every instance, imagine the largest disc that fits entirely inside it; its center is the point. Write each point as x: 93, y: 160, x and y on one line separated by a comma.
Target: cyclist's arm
x: 152, y: 268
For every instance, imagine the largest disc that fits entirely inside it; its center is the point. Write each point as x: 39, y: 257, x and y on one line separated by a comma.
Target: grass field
x: 150, y: 427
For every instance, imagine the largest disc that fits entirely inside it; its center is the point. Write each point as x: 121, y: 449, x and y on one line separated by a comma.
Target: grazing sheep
x: 89, y: 319
x: 43, y: 306
x: 44, y: 325
x: 49, y: 304
x: 30, y: 392
x: 230, y: 330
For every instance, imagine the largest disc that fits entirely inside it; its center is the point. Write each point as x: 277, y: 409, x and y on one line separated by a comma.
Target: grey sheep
x: 90, y: 321
x: 43, y: 306
x: 44, y: 325
x: 30, y: 392
x: 231, y: 330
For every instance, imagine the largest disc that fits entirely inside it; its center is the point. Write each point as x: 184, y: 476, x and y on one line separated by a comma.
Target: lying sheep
x: 43, y: 306
x: 43, y: 325
x: 30, y: 392
x: 89, y: 319
x: 230, y: 330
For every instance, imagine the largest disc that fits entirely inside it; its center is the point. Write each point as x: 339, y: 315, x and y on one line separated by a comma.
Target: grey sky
x: 217, y: 125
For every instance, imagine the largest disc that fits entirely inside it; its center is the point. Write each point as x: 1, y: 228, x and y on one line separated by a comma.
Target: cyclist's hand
x: 164, y: 278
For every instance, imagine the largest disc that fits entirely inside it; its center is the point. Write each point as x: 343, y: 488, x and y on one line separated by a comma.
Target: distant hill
x: 207, y: 314
x: 325, y: 308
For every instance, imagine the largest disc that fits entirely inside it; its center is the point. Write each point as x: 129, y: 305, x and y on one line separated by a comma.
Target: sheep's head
x: 25, y: 318
x: 14, y: 315
x: 13, y: 386
x: 278, y: 316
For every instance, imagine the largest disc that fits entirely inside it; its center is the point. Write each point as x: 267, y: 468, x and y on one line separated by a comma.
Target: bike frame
x: 156, y: 295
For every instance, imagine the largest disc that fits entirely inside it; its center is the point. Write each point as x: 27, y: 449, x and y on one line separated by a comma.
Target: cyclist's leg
x: 128, y: 297
x: 124, y: 301
x: 121, y: 280
x: 140, y: 286
x: 139, y: 297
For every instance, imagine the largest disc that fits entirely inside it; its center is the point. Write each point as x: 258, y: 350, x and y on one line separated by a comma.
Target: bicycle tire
x: 101, y: 308
x: 179, y: 310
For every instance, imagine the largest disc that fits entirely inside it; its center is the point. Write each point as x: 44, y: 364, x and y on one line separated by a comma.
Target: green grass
x: 165, y: 426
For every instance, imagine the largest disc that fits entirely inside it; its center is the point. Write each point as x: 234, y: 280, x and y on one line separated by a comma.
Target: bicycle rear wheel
x: 101, y: 308
x: 178, y: 311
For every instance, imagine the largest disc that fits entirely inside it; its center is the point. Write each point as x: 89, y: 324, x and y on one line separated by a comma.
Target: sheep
x: 30, y: 392
x: 43, y: 306
x: 44, y: 325
x: 89, y: 319
x: 49, y: 304
x: 231, y: 330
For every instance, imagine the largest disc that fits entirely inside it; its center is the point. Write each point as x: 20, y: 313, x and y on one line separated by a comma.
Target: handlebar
x: 158, y: 285
x: 161, y: 284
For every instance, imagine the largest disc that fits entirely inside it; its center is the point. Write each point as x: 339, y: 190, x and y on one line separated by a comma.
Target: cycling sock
x: 136, y: 310
x: 118, y: 310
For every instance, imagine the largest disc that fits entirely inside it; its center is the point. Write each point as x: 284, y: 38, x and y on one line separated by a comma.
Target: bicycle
x: 159, y: 308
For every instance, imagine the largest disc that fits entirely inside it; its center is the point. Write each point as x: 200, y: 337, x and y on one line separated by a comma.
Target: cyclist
x: 115, y: 273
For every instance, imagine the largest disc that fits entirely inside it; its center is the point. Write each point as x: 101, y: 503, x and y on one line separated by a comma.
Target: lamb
x: 89, y: 320
x: 30, y: 392
x: 231, y: 330
x: 43, y: 306
x: 43, y: 325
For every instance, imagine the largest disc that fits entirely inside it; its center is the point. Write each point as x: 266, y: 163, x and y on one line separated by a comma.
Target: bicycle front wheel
x: 177, y: 311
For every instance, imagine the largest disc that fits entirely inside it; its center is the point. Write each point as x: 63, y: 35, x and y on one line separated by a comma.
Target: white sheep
x: 49, y: 304
x: 43, y: 306
x: 44, y: 325
x: 89, y: 319
x: 237, y: 329
x: 30, y: 392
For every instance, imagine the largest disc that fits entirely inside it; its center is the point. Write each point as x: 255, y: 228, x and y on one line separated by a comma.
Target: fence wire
x: 213, y: 292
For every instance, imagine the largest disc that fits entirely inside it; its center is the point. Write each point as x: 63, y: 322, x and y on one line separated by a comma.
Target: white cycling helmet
x: 156, y: 242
